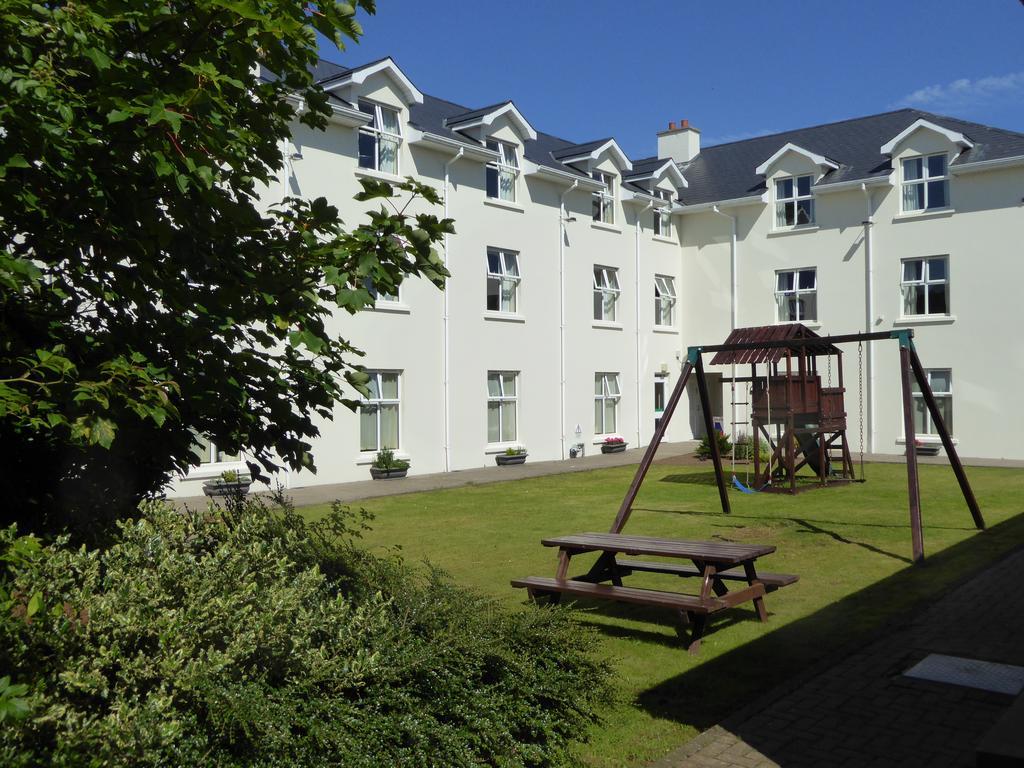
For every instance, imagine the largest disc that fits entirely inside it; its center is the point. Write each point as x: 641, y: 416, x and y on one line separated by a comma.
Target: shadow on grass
x: 704, y: 695
x: 800, y: 521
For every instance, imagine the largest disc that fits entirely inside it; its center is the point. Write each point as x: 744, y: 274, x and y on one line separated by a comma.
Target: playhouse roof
x: 774, y: 349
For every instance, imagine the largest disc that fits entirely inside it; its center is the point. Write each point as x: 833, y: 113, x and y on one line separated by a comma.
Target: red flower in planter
x: 613, y: 441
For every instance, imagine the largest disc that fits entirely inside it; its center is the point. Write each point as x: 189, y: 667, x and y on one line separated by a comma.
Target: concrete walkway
x: 368, y: 489
x: 862, y: 711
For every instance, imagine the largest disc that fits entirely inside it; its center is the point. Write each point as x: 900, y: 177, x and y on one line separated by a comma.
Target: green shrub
x: 744, y: 449
x: 247, y: 636
x: 704, y: 449
x: 385, y: 459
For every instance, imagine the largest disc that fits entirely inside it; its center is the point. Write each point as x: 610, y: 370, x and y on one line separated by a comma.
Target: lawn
x: 850, y: 545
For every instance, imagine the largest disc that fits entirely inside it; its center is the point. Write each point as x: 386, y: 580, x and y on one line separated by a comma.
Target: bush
x: 385, y: 459
x: 251, y: 637
x: 744, y: 449
x: 703, y: 451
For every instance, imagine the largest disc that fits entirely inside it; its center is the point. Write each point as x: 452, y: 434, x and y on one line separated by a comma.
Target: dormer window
x: 503, y: 172
x: 604, y: 199
x: 380, y: 139
x: 925, y: 183
x: 663, y: 216
x: 794, y: 203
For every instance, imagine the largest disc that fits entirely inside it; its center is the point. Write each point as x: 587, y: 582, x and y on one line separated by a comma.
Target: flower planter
x: 504, y: 460
x: 387, y: 474
x: 226, y: 488
x: 613, y: 447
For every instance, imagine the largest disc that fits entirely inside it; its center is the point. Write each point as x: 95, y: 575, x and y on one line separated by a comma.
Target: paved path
x: 368, y: 489
x: 863, y: 712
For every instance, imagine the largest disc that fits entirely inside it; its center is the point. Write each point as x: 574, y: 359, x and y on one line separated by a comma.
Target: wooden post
x: 913, y: 485
x: 645, y: 463
x: 705, y: 405
x: 947, y: 440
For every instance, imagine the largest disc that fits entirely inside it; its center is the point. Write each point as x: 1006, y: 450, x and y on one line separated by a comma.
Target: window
x: 925, y: 183
x: 379, y: 141
x: 378, y: 413
x: 503, y: 172
x: 606, y: 293
x: 502, y: 280
x: 604, y: 199
x: 606, y: 402
x: 796, y: 294
x: 794, y: 203
x: 378, y: 296
x: 208, y: 453
x: 941, y: 382
x: 925, y: 286
x: 502, y: 406
x: 663, y: 216
x: 664, y: 300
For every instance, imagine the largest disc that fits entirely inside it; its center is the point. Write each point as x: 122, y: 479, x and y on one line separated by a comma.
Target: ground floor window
x: 378, y: 412
x: 941, y: 382
x: 208, y: 453
x: 502, y: 406
x: 606, y: 403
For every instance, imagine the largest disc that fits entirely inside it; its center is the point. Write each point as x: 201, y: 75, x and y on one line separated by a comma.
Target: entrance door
x: 659, y: 400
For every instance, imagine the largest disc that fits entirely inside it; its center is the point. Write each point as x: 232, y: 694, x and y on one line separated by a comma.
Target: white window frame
x: 606, y: 285
x: 923, y: 285
x: 663, y: 216
x: 781, y: 201
x: 603, y: 382
x: 377, y: 132
x: 506, y: 166
x: 603, y: 210
x: 210, y: 449
x: 921, y: 406
x: 505, y: 277
x: 925, y: 182
x: 794, y: 294
x: 665, y: 301
x: 379, y: 401
x: 503, y: 398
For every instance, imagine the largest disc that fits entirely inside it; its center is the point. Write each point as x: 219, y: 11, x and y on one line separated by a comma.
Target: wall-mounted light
x: 296, y: 155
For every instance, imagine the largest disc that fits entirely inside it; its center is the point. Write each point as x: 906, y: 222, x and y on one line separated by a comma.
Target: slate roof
x: 467, y: 116
x: 726, y: 171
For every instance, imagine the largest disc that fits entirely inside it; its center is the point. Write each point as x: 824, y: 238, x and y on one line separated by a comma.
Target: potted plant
x: 613, y: 445
x: 230, y: 483
x: 385, y: 466
x: 514, y: 455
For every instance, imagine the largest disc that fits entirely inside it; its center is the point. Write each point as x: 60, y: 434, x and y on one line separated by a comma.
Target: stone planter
x: 387, y: 474
x: 613, y: 447
x: 225, y: 488
x: 505, y: 460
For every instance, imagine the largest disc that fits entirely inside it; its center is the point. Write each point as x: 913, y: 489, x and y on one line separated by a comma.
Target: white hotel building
x: 580, y: 276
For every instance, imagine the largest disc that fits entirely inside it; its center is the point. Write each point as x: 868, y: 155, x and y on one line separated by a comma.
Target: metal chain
x: 829, y: 359
x: 860, y: 401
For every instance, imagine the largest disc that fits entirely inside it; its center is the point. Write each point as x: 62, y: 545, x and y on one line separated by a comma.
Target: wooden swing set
x: 805, y: 417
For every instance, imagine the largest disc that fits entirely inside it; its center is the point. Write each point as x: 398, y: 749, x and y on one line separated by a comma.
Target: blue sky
x: 585, y: 70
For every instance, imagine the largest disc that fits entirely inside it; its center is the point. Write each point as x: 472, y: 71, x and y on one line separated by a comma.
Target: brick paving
x: 862, y: 712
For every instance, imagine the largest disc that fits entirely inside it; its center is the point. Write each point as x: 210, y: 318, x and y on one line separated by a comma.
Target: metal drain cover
x: 971, y: 673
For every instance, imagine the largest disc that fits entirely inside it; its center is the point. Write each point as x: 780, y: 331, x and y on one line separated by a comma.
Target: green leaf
x: 34, y: 604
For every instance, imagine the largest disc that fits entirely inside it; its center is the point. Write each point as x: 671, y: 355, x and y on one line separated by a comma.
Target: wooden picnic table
x: 714, y: 562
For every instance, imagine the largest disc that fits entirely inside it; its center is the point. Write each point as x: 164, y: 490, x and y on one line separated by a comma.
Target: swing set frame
x: 910, y: 366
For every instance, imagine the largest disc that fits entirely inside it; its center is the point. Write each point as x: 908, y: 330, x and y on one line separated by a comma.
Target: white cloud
x: 965, y: 92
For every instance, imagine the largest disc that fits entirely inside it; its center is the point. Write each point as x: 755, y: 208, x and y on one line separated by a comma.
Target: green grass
x: 849, y: 544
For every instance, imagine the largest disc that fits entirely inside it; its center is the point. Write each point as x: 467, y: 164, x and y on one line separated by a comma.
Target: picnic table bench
x: 714, y: 562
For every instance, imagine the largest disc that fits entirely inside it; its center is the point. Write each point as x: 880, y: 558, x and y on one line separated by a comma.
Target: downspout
x: 734, y: 310
x: 636, y: 303
x: 446, y: 405
x: 561, y: 308
x: 869, y: 266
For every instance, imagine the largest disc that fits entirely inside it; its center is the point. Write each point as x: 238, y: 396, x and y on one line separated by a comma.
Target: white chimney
x: 682, y: 144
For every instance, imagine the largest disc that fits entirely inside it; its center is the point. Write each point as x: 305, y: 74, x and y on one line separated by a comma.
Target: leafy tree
x: 146, y: 294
